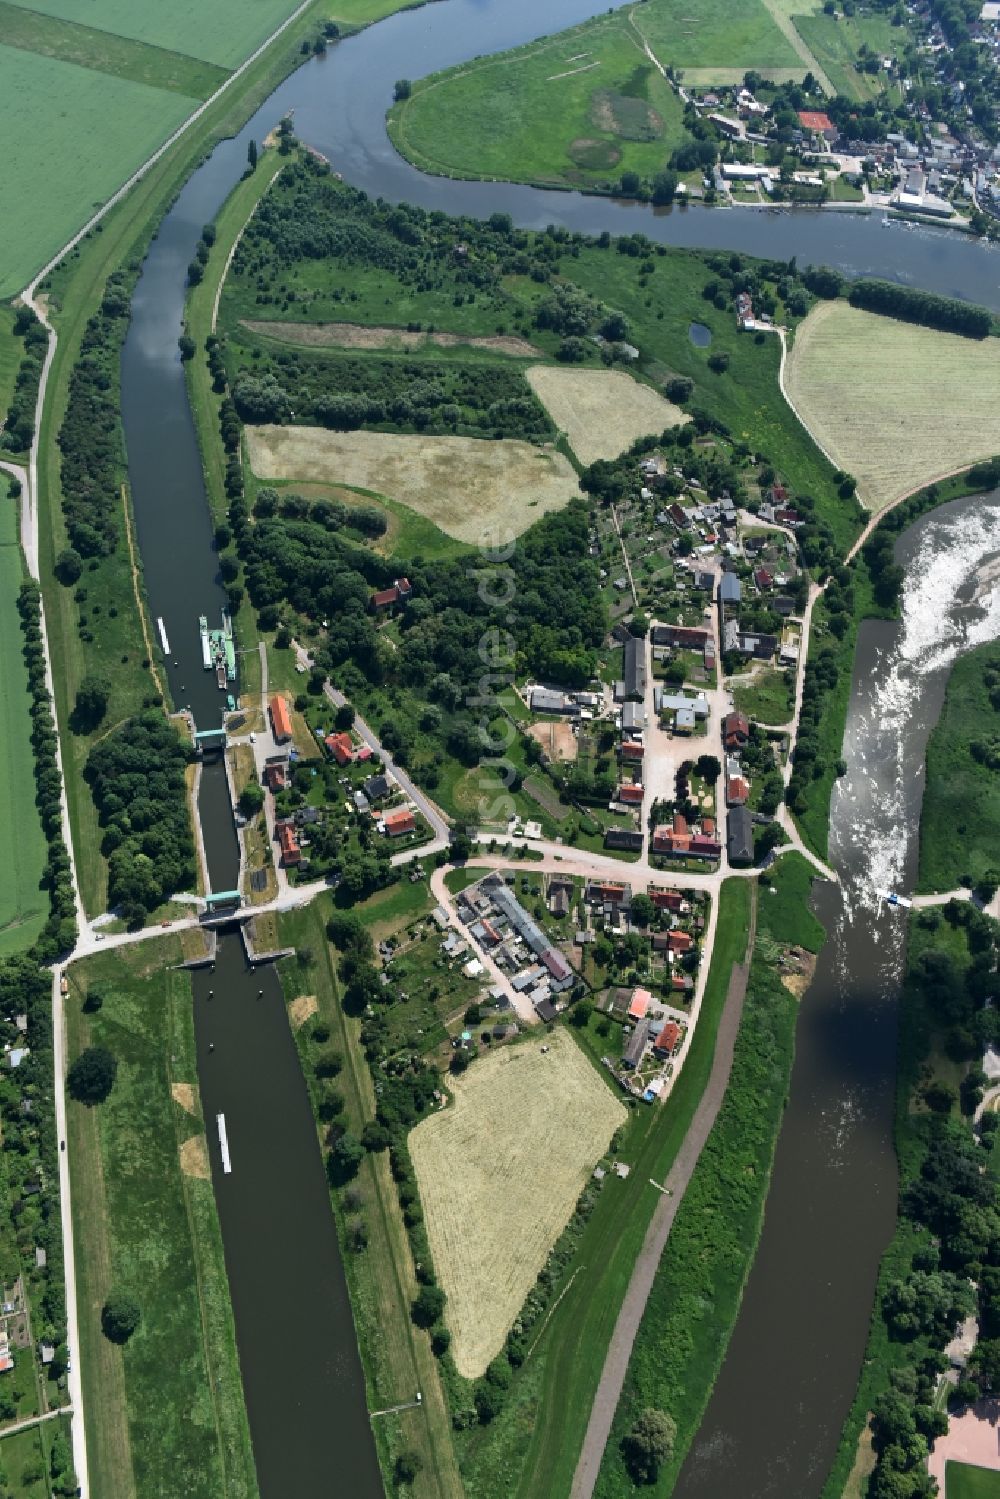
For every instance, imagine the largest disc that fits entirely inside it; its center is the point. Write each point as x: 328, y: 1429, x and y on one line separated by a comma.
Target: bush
x: 92, y: 1076
x: 649, y: 1443
x: 427, y: 1306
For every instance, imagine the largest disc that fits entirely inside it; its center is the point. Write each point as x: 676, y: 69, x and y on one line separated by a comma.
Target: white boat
x: 206, y: 645
x: 220, y: 1123
x: 163, y: 636
x: 892, y: 899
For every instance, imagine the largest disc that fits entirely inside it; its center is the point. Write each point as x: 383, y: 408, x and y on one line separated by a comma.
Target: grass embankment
x: 522, y: 1453
x: 76, y: 290
x: 172, y: 1418
x: 696, y: 1295
x: 396, y: 1356
x: 960, y: 816
x: 23, y: 904
x: 580, y: 108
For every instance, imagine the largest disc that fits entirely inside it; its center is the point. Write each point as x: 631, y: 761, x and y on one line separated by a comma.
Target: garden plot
x: 474, y: 490
x: 894, y: 404
x: 500, y: 1171
x: 602, y: 412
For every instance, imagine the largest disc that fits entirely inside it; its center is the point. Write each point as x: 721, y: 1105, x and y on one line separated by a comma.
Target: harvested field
x: 194, y: 1158
x: 602, y: 412
x: 186, y: 1095
x: 300, y: 1010
x: 352, y: 336
x: 472, y: 490
x: 894, y: 404
x: 557, y: 739
x: 499, y: 1173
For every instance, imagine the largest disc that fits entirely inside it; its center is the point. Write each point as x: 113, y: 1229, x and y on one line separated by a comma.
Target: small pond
x: 700, y: 335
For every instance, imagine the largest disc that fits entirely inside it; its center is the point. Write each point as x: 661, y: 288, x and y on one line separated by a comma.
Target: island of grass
x: 965, y: 1481
x: 960, y: 816
x: 585, y: 107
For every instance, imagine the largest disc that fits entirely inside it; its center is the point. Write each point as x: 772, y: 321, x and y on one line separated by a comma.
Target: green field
x: 105, y: 53
x: 72, y: 137
x: 224, y: 32
x: 835, y: 40
x: 962, y: 1481
x: 767, y: 698
x: 172, y: 1414
x: 10, y: 357
x: 707, y: 34
x: 576, y: 109
x: 23, y: 904
x: 24, y: 1459
x: 960, y: 817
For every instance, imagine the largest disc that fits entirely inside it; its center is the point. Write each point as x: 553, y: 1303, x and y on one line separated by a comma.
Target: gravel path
x: 620, y: 1348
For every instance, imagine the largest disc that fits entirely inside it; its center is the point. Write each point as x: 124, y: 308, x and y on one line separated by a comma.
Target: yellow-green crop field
x: 894, y: 404
x: 23, y: 904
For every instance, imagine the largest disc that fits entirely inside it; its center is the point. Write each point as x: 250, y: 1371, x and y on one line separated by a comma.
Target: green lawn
x: 524, y: 1453
x: 23, y: 904
x: 72, y: 137
x: 783, y: 910
x: 104, y: 52
x: 835, y: 40
x: 960, y: 817
x: 172, y: 1414
x: 576, y: 109
x: 224, y: 32
x: 768, y: 698
x: 963, y: 1481
x: 704, y: 34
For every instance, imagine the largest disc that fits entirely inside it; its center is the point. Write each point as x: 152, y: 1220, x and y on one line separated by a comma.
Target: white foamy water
x: 951, y: 603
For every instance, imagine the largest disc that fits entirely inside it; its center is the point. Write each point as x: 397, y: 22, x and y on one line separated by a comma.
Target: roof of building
x: 640, y: 1003
x: 340, y: 747
x: 624, y: 838
x: 376, y: 787
x: 740, y: 836
x: 730, y: 589
x: 399, y: 822
x: 281, y: 723
x: 634, y: 673
x: 668, y: 1037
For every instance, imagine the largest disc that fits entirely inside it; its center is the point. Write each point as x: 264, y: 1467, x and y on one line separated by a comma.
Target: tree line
x: 19, y: 426
x: 911, y: 305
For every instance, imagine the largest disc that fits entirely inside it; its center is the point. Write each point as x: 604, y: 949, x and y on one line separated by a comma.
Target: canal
x: 302, y: 1376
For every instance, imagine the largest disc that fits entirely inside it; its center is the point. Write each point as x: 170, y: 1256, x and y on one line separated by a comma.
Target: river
x: 302, y: 1376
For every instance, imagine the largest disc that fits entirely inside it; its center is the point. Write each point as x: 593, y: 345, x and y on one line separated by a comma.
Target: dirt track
x: 620, y: 1348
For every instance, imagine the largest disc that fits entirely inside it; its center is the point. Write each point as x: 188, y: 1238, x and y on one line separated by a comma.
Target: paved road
x: 30, y: 1421
x: 619, y: 1352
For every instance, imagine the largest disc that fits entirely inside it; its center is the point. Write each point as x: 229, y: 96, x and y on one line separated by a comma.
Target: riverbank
x: 145, y: 1224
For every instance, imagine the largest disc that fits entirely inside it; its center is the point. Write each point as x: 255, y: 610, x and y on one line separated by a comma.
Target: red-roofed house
x: 289, y: 844
x: 397, y: 823
x: 666, y: 1041
x: 630, y: 794
x: 281, y: 723
x: 703, y: 847
x: 666, y: 900
x: 603, y: 892
x: 631, y: 750
x: 737, y: 791
x: 818, y: 123
x: 673, y: 840
x: 641, y: 1001
x: 708, y: 826
x: 680, y: 941
x: 340, y: 748
x: 397, y: 594
x: 735, y: 730
x: 763, y: 579
x: 275, y: 778
x: 364, y: 753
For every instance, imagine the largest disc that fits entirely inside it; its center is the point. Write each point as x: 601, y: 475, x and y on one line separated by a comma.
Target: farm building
x: 634, y: 675
x: 740, y: 837
x: 281, y: 723
x: 666, y: 1041
x: 627, y: 839
x: 636, y: 1045
x: 560, y: 973
x: 549, y: 700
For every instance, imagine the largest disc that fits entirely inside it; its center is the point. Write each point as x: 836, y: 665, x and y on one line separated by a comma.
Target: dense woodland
x: 136, y: 775
x: 19, y: 426
x: 912, y: 306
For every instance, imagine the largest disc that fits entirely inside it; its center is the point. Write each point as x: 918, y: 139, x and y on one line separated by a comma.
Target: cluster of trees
x: 368, y: 522
x: 911, y: 305
x: 886, y: 574
x: 413, y: 395
x: 90, y: 436
x: 810, y: 760
x: 19, y: 427
x: 59, y: 933
x: 136, y: 776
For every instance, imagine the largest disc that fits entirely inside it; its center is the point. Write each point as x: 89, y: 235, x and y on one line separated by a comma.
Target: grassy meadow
x: 963, y: 1481
x: 709, y: 34
x: 768, y: 698
x: 576, y: 109
x: 223, y: 33
x: 835, y: 40
x: 960, y: 817
x: 871, y: 390
x: 23, y: 904
x: 172, y: 1413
